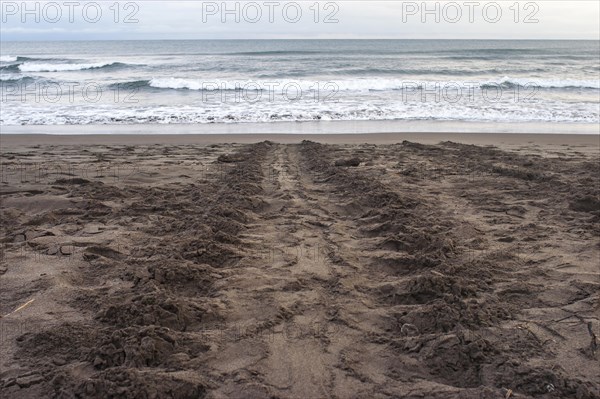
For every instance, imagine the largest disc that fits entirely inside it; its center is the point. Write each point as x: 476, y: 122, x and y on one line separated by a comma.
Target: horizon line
x: 288, y: 39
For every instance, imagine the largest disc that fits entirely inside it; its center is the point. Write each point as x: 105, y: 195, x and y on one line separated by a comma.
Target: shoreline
x: 310, y: 127
x: 27, y: 140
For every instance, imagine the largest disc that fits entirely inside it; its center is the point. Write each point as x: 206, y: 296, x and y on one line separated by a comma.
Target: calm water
x: 169, y: 82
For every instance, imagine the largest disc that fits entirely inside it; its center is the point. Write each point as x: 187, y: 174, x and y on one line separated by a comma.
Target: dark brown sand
x: 445, y: 266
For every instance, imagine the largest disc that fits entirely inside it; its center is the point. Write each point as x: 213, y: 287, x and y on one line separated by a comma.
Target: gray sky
x: 84, y: 20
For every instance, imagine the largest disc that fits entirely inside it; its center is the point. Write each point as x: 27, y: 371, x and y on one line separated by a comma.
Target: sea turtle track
x: 313, y: 271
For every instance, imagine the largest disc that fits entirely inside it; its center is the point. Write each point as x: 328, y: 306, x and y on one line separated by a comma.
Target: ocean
x: 240, y: 81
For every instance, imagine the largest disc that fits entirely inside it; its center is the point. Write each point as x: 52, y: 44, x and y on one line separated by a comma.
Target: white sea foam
x: 176, y: 83
x: 279, y: 84
x: 545, y: 83
x: 35, y: 67
x: 15, y: 78
x: 7, y: 58
x: 365, y: 85
x: 306, y: 111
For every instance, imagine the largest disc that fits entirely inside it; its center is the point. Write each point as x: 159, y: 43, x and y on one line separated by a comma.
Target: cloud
x: 373, y: 19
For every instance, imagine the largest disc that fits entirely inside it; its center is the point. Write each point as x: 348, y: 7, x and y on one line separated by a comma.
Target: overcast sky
x: 62, y: 20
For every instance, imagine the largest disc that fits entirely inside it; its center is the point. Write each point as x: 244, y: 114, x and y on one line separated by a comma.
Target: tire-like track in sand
x: 274, y: 271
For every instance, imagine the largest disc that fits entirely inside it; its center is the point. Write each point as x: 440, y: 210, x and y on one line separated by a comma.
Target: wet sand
x: 442, y: 266
x: 511, y: 139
